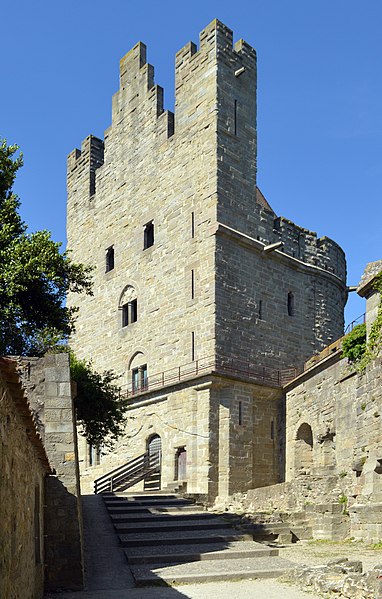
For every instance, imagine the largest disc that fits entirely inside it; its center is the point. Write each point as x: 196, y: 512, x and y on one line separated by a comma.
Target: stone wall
x: 23, y: 467
x: 343, y: 410
x: 230, y: 430
x: 47, y: 383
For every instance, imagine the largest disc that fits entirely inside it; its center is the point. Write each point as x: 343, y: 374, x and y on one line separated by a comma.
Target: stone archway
x: 303, y: 453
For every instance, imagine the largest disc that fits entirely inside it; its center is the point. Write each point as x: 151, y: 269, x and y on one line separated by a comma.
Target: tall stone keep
x: 204, y: 299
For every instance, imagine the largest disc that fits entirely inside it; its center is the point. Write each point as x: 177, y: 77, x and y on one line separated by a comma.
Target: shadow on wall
x: 63, y: 557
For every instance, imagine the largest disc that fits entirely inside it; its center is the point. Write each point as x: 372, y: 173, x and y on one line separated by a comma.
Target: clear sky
x: 319, y: 100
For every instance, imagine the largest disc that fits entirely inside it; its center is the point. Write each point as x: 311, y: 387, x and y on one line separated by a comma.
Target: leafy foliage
x: 34, y: 275
x: 98, y: 404
x: 354, y: 344
x: 374, y: 343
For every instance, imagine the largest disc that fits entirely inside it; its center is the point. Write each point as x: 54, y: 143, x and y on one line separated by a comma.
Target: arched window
x: 128, y: 304
x: 290, y: 304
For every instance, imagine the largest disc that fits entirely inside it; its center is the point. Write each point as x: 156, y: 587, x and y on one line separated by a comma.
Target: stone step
x: 148, y: 503
x: 159, y: 517
x: 208, y: 571
x: 191, y: 553
x: 132, y: 509
x: 173, y: 525
x: 135, y: 497
x: 225, y: 535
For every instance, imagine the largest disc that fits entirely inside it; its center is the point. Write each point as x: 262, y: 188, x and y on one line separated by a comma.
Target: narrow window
x: 272, y: 429
x: 192, y: 225
x: 109, y: 259
x: 133, y: 311
x: 135, y: 379
x: 148, y: 240
x: 125, y: 315
x: 260, y: 309
x: 290, y: 304
x: 192, y: 284
x: 240, y: 413
x: 143, y: 376
x: 235, y: 119
x: 192, y: 346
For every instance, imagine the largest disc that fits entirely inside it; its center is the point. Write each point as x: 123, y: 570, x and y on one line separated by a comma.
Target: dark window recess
x: 192, y: 346
x: 192, y: 284
x: 260, y: 310
x: 290, y: 304
x: 235, y: 119
x: 139, y: 378
x: 240, y: 413
x: 148, y: 240
x: 272, y: 429
x: 192, y: 225
x: 134, y: 311
x: 129, y: 313
x: 109, y: 259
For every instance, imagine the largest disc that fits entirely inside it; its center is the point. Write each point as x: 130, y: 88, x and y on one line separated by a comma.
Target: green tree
x: 34, y: 276
x: 98, y: 404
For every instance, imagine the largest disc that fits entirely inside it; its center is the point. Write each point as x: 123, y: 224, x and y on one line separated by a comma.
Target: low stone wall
x: 48, y: 386
x: 340, y: 578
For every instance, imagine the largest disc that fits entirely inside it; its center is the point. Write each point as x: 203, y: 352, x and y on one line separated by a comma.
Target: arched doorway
x: 152, y: 481
x: 303, y: 457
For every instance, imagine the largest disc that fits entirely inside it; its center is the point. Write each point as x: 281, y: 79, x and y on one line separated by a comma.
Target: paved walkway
x: 108, y: 575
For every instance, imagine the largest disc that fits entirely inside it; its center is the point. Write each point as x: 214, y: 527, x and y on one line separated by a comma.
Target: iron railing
x: 212, y: 364
x: 129, y: 474
x: 360, y: 320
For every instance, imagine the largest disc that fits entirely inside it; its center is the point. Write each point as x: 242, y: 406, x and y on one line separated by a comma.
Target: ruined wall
x: 23, y: 469
x: 343, y: 409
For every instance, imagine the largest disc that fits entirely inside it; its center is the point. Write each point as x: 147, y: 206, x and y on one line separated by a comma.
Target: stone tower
x: 203, y: 297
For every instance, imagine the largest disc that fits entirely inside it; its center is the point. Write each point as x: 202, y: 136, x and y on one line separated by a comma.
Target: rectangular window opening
x: 240, y: 413
x: 192, y: 284
x: 272, y: 429
x: 125, y: 315
x: 192, y: 346
x: 133, y: 311
x: 109, y: 259
x: 235, y: 119
x: 148, y: 239
x: 260, y: 309
x: 192, y: 225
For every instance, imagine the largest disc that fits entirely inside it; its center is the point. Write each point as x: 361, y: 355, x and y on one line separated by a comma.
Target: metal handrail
x: 128, y: 474
x: 359, y: 320
x: 210, y: 364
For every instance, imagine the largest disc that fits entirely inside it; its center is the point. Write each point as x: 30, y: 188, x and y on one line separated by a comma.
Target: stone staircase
x: 169, y: 540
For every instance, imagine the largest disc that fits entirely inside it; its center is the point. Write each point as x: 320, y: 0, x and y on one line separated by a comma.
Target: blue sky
x: 319, y: 101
